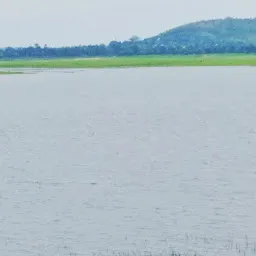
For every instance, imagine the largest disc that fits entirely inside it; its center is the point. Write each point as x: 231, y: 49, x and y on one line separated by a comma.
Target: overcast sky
x: 66, y: 22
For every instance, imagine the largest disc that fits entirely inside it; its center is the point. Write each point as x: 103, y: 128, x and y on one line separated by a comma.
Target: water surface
x: 128, y: 159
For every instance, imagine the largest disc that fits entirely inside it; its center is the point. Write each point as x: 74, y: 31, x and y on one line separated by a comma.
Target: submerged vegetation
x: 135, y: 61
x: 10, y: 73
x: 195, y: 246
x: 217, y: 36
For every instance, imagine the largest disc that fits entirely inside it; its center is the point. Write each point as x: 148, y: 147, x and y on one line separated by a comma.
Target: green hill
x: 219, y: 35
x: 203, y: 37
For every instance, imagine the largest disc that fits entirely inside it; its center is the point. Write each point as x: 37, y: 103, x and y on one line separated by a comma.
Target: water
x: 128, y: 160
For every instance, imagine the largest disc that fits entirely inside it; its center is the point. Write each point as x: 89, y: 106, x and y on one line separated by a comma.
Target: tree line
x: 203, y: 37
x: 127, y: 48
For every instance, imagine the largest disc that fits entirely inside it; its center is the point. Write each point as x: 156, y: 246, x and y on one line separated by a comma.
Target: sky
x: 66, y: 22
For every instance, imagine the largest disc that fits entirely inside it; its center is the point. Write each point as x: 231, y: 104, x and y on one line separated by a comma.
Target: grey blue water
x: 144, y: 160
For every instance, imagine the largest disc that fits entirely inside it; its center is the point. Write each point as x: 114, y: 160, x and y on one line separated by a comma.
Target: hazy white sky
x: 66, y: 22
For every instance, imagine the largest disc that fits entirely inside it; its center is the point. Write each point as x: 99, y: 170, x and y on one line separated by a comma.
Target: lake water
x: 124, y: 160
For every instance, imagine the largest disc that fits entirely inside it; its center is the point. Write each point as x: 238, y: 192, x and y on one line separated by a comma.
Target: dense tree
x: 134, y: 39
x: 212, y: 36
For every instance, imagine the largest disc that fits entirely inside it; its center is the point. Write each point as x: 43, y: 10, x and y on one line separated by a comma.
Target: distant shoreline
x: 133, y: 61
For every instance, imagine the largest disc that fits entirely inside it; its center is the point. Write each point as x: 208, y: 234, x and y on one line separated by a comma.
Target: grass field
x: 135, y: 61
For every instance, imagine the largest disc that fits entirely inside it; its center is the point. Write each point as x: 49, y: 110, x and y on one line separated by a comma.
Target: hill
x: 228, y: 35
x: 209, y: 36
